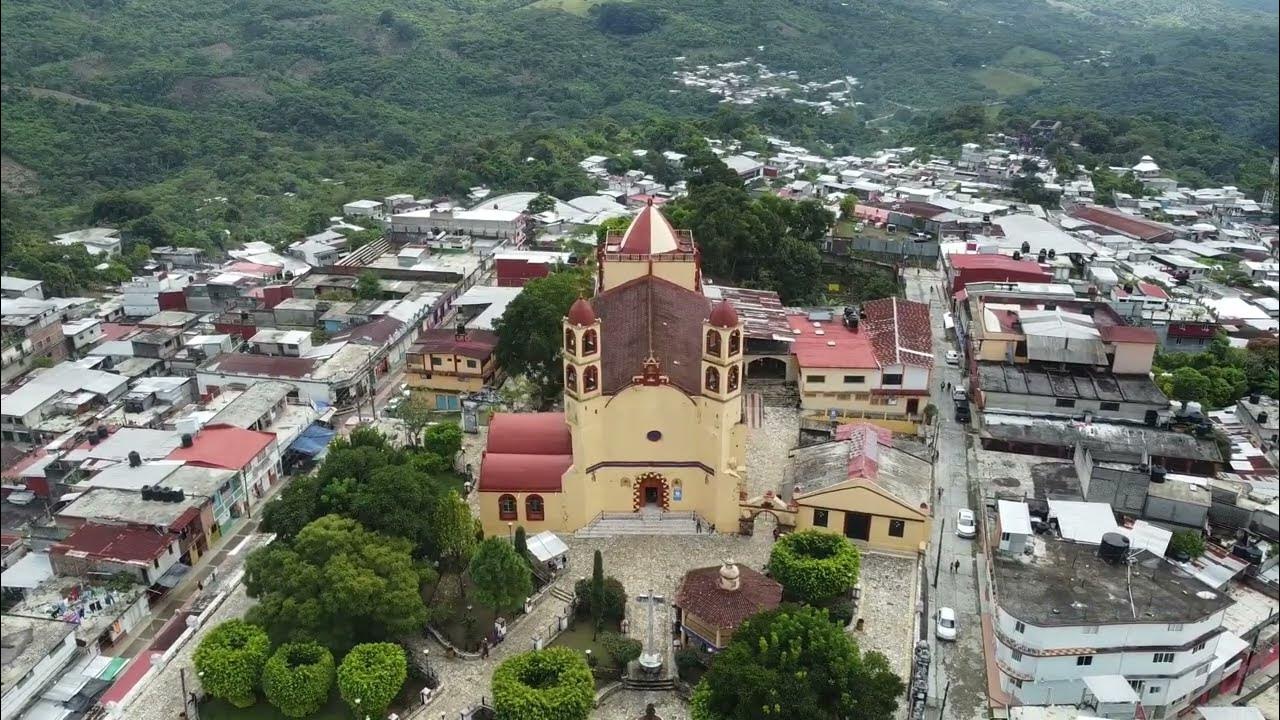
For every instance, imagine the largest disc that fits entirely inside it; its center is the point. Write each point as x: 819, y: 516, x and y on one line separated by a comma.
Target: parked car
x: 966, y: 524
x: 946, y: 628
x: 953, y: 357
x: 960, y: 395
x: 962, y: 413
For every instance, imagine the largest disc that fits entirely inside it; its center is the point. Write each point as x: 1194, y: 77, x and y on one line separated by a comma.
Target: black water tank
x: 1157, y: 474
x: 135, y: 460
x: 1262, y: 418
x: 103, y: 432
x: 148, y: 492
x: 187, y: 440
x: 1114, y: 548
x: 1255, y: 398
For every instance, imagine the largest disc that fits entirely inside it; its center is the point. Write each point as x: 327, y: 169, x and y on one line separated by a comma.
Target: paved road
x: 961, y: 663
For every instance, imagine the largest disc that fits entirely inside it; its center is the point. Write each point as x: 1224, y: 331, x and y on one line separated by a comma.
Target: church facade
x: 653, y: 413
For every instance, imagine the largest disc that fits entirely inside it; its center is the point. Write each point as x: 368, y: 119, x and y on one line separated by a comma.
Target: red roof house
x: 526, y: 452
x: 991, y: 267
x: 224, y: 446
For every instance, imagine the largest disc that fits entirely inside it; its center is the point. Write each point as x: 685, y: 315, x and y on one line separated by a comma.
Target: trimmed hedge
x: 815, y: 566
x: 372, y: 673
x: 550, y: 684
x: 229, y: 661
x: 298, y: 677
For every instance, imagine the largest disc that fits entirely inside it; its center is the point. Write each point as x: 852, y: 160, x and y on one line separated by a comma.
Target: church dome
x: 723, y: 315
x: 580, y: 313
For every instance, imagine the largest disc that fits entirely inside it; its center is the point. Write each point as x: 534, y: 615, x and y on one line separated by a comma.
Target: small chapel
x: 653, y: 419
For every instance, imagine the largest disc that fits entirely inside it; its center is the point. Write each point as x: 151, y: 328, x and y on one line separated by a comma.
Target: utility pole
x: 943, y: 707
x: 937, y: 564
x: 190, y: 709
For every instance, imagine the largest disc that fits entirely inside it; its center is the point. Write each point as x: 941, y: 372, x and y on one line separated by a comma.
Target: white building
x: 96, y: 241
x: 1106, y: 626
x: 142, y: 294
x: 12, y: 287
x: 363, y: 208
x: 36, y: 650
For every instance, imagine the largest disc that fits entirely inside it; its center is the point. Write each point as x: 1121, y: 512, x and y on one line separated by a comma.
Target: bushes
x: 1187, y: 542
x: 814, y: 566
x: 689, y: 663
x: 297, y: 678
x: 615, y: 600
x: 372, y: 673
x: 230, y: 659
x: 621, y: 649
x: 502, y: 578
x: 550, y: 684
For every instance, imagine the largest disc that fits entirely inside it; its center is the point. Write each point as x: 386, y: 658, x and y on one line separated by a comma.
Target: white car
x: 953, y: 357
x: 21, y: 497
x: 966, y: 524
x: 946, y: 627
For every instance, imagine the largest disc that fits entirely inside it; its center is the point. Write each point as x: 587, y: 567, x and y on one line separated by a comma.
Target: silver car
x: 966, y: 524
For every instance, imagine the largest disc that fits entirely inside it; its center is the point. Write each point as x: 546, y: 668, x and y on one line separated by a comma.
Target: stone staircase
x: 649, y: 684
x: 561, y: 594
x: 642, y: 523
x: 775, y: 393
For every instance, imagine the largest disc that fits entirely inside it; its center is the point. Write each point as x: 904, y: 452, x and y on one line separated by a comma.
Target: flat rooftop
x: 1066, y: 583
x: 27, y: 641
x: 1077, y: 385
x: 1109, y: 442
x: 249, y: 406
x: 126, y: 506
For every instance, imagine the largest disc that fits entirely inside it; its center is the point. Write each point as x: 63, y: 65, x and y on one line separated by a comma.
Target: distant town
x: 1040, y: 479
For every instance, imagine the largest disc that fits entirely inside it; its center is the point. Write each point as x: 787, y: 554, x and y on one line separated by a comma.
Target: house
x: 1260, y: 416
x: 1102, y: 622
x: 37, y: 651
x: 363, y: 208
x: 59, y: 390
x: 747, y: 168
x: 875, y: 363
x: 253, y: 455
x: 712, y: 602
x: 446, y: 365
x: 340, y: 378
x: 15, y: 287
x: 144, y: 296
x: 481, y: 222
x: 179, y: 257
x: 283, y: 343
x: 146, y: 554
x: 30, y: 331
x: 1180, y: 266
x: 96, y: 241
x: 966, y: 268
x: 861, y: 486
x: 82, y: 334
x: 514, y: 268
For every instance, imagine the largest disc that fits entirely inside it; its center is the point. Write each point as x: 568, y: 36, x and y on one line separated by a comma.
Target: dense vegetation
x: 244, y: 120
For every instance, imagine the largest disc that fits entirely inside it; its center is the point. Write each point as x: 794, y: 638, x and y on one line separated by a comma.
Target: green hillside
x: 186, y: 100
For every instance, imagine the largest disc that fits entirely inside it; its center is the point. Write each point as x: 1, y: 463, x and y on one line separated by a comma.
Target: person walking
x: 697, y: 524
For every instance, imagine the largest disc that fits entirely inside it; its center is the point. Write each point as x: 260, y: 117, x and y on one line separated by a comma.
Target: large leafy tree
x: 530, y: 330
x: 229, y: 661
x: 502, y: 578
x: 297, y: 678
x: 370, y: 676
x: 814, y: 566
x: 337, y: 584
x: 550, y: 684
x: 443, y: 439
x: 794, y: 663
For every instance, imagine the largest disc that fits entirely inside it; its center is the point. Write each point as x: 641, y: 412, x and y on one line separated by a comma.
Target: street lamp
x: 511, y: 531
x: 426, y: 657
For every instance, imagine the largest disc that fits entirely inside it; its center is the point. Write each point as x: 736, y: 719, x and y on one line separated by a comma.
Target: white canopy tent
x: 547, y: 546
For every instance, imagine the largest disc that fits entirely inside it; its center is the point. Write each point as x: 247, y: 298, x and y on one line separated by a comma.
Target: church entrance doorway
x: 650, y: 492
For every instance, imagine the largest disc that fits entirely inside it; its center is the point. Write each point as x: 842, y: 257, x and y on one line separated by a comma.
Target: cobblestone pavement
x: 888, y: 609
x: 162, y: 698
x: 630, y: 705
x: 961, y: 664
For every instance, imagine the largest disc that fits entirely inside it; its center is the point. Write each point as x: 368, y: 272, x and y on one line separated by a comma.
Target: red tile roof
x: 914, y: 208
x: 1152, y: 290
x: 700, y: 595
x: 526, y: 452
x: 651, y: 314
x: 375, y: 332
x: 1122, y: 222
x: 120, y: 543
x: 989, y: 261
x: 650, y: 233
x: 1192, y: 330
x: 851, y: 349
x: 224, y: 446
x: 479, y: 344
x: 1127, y: 334
x: 901, y: 331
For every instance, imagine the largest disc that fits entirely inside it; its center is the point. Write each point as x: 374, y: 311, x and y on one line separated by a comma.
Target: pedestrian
x: 697, y: 524
x: 939, y: 493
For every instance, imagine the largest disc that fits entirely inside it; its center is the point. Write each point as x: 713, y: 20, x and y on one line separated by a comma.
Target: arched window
x: 571, y: 379
x: 733, y: 378
x: 590, y: 378
x: 570, y: 342
x: 533, y: 508
x: 713, y: 342
x: 713, y: 379
x: 507, y: 507
x: 735, y: 343
x: 588, y: 342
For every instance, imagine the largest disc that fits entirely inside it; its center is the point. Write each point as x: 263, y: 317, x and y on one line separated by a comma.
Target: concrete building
x: 36, y: 650
x: 15, y: 287
x: 342, y: 379
x: 96, y: 241
x: 253, y: 455
x: 30, y: 332
x: 61, y: 390
x: 446, y: 365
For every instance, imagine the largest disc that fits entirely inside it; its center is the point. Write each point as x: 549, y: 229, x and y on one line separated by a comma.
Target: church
x: 653, y: 418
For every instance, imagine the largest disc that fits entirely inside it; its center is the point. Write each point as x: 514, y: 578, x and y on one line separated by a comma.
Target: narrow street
x: 958, y: 668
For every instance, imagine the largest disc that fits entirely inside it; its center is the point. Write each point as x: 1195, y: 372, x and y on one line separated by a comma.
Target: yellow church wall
x: 856, y: 497
x: 683, y: 274
x: 617, y: 272
x: 493, y: 524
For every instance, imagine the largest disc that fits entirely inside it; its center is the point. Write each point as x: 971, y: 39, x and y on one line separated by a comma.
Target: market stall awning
x: 546, y: 546
x: 313, y: 440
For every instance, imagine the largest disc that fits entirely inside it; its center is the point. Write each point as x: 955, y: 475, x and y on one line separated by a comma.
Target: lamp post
x: 426, y: 658
x: 511, y: 531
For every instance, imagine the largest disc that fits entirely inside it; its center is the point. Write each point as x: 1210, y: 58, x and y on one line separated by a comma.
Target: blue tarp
x: 313, y: 440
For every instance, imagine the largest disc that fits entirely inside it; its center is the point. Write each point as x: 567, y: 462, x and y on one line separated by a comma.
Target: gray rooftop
x: 27, y: 641
x: 817, y: 467
x: 126, y: 506
x: 252, y: 404
x: 1109, y: 442
x: 1068, y: 584
x: 198, y: 480
x: 1081, y: 385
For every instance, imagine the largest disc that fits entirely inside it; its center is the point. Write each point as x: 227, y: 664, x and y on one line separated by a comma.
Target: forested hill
x: 192, y: 98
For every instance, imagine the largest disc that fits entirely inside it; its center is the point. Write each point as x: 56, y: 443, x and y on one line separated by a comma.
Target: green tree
x: 443, y: 439
x: 814, y: 566
x: 297, y: 678
x: 1188, y: 385
x: 293, y: 508
x: 614, y: 605
x: 530, y: 331
x: 540, y: 204
x: 367, y: 286
x: 416, y: 414
x: 848, y: 206
x: 521, y: 543
x: 597, y: 593
x: 117, y: 207
x: 229, y: 660
x: 337, y: 584
x: 501, y: 578
x: 454, y: 530
x: 794, y: 663
x: 371, y: 676
x: 1187, y: 542
x: 550, y: 684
